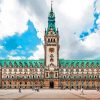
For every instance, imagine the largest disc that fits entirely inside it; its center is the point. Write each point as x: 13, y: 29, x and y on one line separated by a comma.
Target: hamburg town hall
x: 50, y: 72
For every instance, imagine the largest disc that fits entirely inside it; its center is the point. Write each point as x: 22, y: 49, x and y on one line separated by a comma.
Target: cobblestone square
x: 48, y: 94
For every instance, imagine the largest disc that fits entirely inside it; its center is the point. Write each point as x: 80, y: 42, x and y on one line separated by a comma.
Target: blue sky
x: 21, y: 45
x: 22, y: 25
x: 93, y: 27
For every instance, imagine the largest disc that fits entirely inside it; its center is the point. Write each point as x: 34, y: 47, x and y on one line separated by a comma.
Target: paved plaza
x: 48, y: 94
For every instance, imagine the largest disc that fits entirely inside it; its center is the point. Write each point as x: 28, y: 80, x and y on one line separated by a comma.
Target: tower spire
x: 51, y: 20
x: 51, y: 5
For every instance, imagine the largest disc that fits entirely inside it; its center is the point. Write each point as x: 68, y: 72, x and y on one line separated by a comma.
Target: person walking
x: 19, y: 90
x: 82, y: 91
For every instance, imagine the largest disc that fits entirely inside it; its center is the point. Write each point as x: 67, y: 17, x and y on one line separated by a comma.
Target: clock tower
x: 51, y: 39
x: 51, y: 49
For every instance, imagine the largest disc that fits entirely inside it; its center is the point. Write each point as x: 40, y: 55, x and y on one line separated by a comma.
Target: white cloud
x: 73, y: 16
x: 39, y: 54
x: 98, y: 21
x: 79, y: 19
x: 98, y: 6
x: 13, y: 18
x: 19, y: 47
x: 92, y: 42
x: 13, y: 52
x: 39, y: 27
x: 15, y: 58
x: 1, y: 47
x: 75, y: 9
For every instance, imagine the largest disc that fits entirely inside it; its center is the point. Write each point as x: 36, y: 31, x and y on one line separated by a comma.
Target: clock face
x: 51, y: 50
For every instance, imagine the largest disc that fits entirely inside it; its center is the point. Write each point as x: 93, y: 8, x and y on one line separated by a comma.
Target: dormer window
x: 87, y: 64
x: 10, y: 64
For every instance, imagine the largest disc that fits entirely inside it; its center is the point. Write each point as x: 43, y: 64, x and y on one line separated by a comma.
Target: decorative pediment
x: 51, y: 32
x: 51, y: 66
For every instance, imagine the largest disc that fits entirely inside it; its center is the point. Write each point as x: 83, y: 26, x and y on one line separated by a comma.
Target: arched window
x: 5, y: 83
x: 48, y: 40
x: 54, y: 40
x: 51, y: 40
x: 10, y: 83
x: 56, y: 74
x: 74, y: 76
x: 25, y: 82
x: 38, y: 77
x: 46, y: 74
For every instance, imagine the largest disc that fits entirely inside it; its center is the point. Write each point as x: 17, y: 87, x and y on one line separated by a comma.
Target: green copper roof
x: 23, y: 63
x: 79, y: 63
x: 51, y: 22
x: 62, y: 63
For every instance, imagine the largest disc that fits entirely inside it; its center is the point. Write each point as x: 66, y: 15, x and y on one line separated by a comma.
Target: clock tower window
x: 48, y: 40
x: 54, y: 40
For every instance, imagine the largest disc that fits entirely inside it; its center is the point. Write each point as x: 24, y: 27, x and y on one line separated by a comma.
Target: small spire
x: 57, y: 30
x: 45, y: 30
x: 51, y: 5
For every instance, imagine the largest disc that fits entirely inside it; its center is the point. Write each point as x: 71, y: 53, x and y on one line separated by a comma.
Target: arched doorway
x: 51, y: 84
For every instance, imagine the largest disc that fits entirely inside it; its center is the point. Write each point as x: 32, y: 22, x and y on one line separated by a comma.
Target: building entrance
x: 51, y: 84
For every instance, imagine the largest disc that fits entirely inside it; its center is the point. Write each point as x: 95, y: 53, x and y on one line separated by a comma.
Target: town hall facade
x: 50, y: 72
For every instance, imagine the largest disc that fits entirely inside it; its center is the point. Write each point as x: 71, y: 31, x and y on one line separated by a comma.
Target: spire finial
x: 51, y: 5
